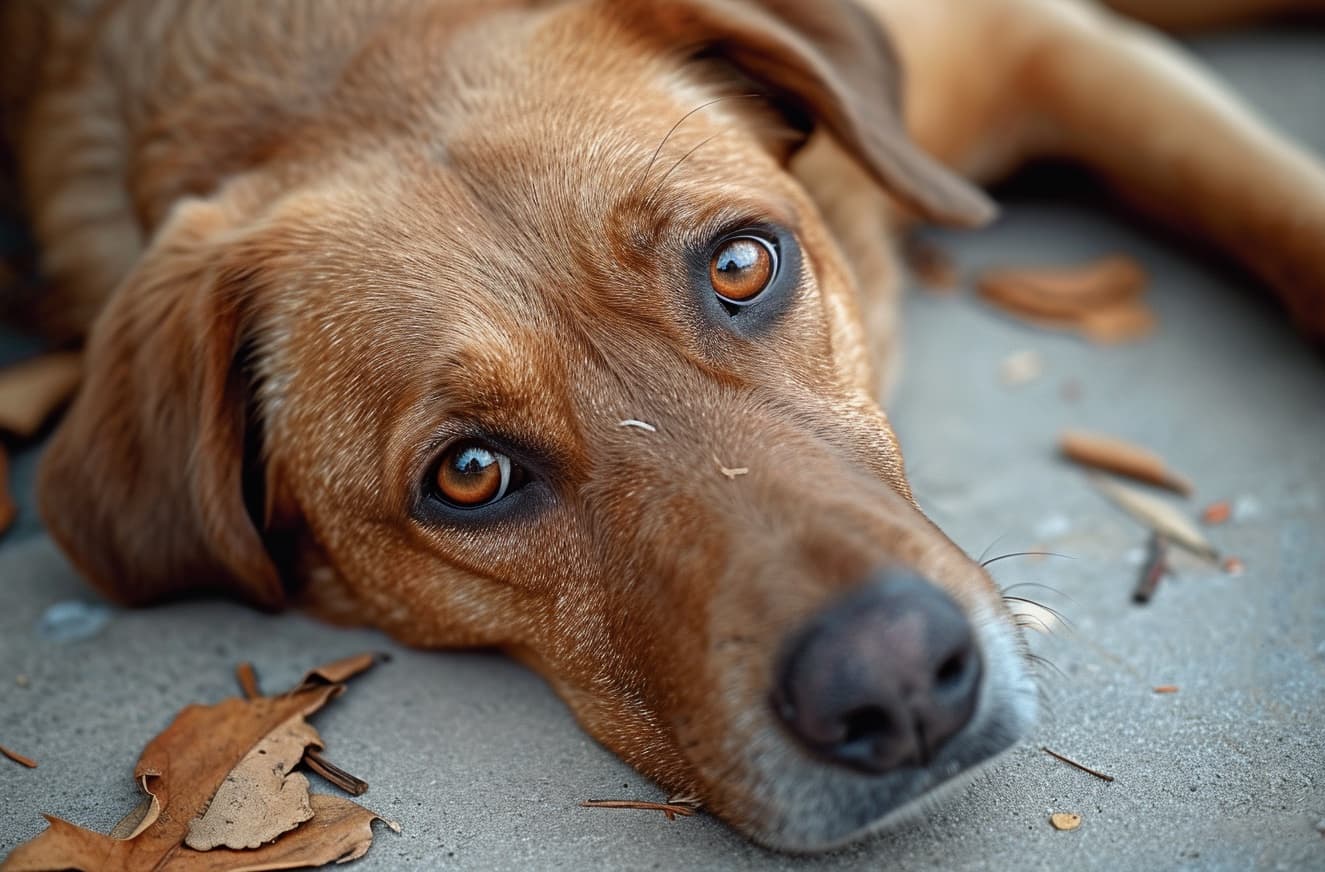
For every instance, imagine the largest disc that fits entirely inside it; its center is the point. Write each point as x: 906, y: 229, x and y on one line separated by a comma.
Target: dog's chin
x: 807, y: 806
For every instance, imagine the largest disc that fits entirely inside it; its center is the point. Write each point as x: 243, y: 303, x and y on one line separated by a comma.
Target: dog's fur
x: 311, y: 243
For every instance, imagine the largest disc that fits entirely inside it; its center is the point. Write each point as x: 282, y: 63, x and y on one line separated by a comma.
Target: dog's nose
x: 882, y: 678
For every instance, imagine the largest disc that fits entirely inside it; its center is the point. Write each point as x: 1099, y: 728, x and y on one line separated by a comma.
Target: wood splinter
x: 18, y: 758
x: 1074, y: 764
x: 669, y: 809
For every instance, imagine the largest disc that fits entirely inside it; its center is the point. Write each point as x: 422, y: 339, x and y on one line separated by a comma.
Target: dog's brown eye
x: 742, y: 268
x: 472, y: 475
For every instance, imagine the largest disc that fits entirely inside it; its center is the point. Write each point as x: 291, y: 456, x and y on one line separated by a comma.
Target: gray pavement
x: 483, y: 768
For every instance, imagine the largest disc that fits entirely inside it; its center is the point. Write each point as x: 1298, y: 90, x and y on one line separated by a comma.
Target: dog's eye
x: 742, y: 268
x: 471, y: 475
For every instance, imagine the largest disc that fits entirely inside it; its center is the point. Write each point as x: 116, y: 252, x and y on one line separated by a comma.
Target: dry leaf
x: 339, y: 671
x: 8, y: 509
x: 1165, y: 688
x: 1100, y: 299
x: 184, y: 772
x: 1158, y: 515
x: 31, y: 391
x: 1115, y: 455
x: 1064, y: 820
x: 262, y: 797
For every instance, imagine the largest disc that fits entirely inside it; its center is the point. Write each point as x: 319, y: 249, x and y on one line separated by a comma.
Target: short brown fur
x: 308, y: 244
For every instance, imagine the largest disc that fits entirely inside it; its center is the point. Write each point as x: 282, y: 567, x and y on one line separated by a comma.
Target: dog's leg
x: 1134, y: 108
x: 995, y: 83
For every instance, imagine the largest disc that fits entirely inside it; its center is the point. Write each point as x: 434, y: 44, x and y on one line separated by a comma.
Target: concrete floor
x: 484, y: 769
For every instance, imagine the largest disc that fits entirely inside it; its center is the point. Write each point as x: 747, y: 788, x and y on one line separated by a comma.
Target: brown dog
x: 559, y: 326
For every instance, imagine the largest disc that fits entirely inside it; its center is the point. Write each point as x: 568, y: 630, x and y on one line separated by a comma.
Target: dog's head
x: 533, y: 355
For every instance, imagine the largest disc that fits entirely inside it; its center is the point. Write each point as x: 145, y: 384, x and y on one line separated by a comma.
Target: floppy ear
x: 828, y: 62
x: 143, y: 482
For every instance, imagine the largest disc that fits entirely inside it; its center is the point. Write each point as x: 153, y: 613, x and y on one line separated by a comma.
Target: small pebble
x: 1233, y: 566
x: 72, y: 621
x: 22, y: 680
x: 1064, y: 820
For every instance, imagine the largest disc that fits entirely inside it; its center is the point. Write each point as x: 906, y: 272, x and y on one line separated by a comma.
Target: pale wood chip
x: 1064, y: 820
x: 1158, y: 515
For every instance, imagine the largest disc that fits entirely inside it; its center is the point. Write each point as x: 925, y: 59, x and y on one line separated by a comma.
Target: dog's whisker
x: 682, y: 120
x: 658, y: 187
x: 1037, y: 606
x: 639, y: 425
x: 1008, y: 556
x: 1053, y: 590
x: 988, y: 548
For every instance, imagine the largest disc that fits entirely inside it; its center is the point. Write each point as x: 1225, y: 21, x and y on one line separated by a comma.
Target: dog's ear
x: 143, y: 483
x: 824, y: 62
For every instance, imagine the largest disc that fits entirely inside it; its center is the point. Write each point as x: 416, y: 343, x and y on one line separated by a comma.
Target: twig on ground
x: 1070, y: 762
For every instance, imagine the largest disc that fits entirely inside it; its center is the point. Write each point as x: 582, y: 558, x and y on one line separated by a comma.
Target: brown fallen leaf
x: 32, y: 390
x: 184, y: 773
x: 1100, y: 299
x: 262, y: 797
x: 18, y: 758
x: 1124, y: 458
x: 1063, y: 820
x: 1165, y: 688
x: 1158, y: 515
x: 340, y: 670
x: 8, y: 508
x: 339, y: 831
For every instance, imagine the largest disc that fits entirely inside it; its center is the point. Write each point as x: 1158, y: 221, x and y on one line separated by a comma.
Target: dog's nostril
x: 951, y: 671
x: 870, y: 722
